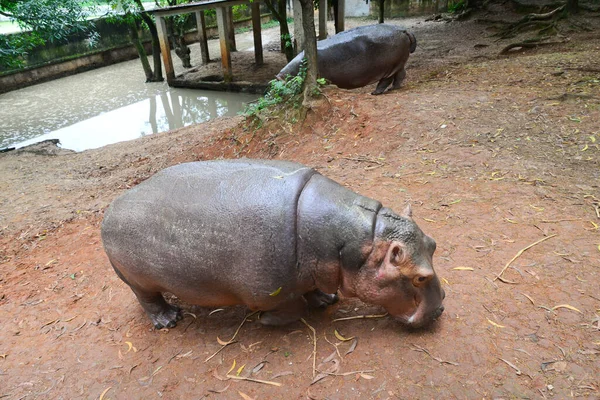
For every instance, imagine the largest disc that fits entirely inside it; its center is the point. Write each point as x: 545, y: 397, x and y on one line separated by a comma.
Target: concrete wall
x: 357, y: 8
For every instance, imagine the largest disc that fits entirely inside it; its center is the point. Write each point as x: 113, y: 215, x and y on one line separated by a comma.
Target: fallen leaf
x: 352, y: 347
x: 245, y: 396
x: 104, y: 392
x: 340, y: 337
x: 463, y: 268
x: 276, y: 292
x: 430, y: 220
x: 223, y: 343
x: 567, y: 306
x: 280, y: 374
x: 258, y: 367
x: 495, y: 324
x: 240, y: 369
x: 232, y: 367
x: 220, y: 390
x: 365, y: 376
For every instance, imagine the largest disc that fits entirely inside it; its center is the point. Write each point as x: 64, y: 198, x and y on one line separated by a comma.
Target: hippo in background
x: 361, y: 56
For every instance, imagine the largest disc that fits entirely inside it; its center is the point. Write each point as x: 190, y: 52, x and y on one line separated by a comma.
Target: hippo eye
x: 421, y: 279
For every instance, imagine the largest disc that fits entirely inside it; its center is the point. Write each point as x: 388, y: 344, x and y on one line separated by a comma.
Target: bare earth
x: 494, y: 153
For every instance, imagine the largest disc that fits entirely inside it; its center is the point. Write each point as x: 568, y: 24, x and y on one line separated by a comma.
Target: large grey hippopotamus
x: 273, y: 235
x: 360, y: 56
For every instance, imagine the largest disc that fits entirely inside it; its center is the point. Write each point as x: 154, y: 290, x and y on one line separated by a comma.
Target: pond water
x: 106, y: 105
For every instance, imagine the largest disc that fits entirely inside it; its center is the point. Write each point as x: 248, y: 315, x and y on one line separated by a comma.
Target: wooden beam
x: 165, y: 48
x: 323, y: 19
x: 222, y: 17
x: 190, y: 8
x: 256, y: 31
x: 201, y: 26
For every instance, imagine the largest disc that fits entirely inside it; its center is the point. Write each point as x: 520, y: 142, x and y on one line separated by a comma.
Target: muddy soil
x: 499, y: 157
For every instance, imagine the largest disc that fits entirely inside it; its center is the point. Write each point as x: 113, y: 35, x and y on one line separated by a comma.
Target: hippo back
x: 219, y: 219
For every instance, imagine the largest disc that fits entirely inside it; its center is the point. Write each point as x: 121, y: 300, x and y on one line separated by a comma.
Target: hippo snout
x: 438, y: 312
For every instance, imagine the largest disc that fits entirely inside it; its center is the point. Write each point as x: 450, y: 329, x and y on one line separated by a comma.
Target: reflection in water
x: 104, y: 106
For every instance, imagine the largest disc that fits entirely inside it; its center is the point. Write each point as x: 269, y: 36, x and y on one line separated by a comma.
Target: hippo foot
x: 286, y: 313
x: 377, y: 92
x: 319, y: 299
x: 166, y: 318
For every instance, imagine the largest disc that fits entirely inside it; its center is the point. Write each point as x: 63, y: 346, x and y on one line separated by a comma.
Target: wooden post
x: 223, y: 40
x: 256, y: 31
x: 201, y: 25
x: 341, y: 14
x: 231, y: 29
x: 323, y: 19
x: 165, y: 48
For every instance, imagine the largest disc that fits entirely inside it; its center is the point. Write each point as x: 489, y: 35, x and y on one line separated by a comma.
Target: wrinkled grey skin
x: 274, y: 235
x: 361, y: 56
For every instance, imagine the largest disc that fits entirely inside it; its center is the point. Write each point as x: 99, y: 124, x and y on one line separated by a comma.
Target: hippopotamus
x: 360, y: 56
x: 275, y: 236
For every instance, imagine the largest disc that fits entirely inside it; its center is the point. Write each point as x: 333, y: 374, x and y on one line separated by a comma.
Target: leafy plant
x: 456, y: 7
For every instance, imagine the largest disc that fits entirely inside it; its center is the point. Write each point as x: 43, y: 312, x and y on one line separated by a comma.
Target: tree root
x: 531, y: 20
x: 532, y: 44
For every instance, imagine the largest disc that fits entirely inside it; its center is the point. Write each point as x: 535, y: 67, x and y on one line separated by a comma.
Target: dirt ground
x: 495, y: 154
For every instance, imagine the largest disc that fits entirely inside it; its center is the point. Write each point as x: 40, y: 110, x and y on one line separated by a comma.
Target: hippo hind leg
x: 285, y: 313
x: 382, y: 85
x: 319, y: 299
x: 162, y: 314
x: 398, y: 79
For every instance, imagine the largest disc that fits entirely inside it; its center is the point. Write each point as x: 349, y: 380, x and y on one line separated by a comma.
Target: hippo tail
x: 413, y: 42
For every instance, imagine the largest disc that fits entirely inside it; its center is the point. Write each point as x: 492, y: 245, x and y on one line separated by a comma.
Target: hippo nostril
x: 438, y: 312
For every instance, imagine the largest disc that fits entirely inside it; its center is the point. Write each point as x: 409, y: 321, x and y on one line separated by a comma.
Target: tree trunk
x: 157, y: 75
x: 135, y: 39
x: 381, y: 10
x: 573, y: 6
x: 310, y: 50
x: 277, y: 8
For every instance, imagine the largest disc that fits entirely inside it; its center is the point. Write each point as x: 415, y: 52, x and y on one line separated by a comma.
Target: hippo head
x: 398, y: 273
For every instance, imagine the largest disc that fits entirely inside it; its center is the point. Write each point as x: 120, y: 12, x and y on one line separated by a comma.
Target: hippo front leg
x: 382, y: 85
x: 285, y: 313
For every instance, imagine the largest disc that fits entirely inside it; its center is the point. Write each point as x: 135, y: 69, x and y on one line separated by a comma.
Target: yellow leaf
x: 50, y: 262
x: 536, y: 208
x: 585, y: 148
x: 276, y: 292
x: 429, y: 220
x: 446, y: 281
x: 231, y: 369
x: 569, y: 307
x: 510, y: 220
x: 495, y: 324
x: 593, y: 139
x: 579, y: 279
x: 130, y: 347
x: 454, y: 202
x: 240, y: 369
x: 340, y: 337
x: 463, y: 268
x: 594, y: 224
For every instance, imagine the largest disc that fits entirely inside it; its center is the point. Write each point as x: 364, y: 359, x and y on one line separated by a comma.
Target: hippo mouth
x: 420, y: 317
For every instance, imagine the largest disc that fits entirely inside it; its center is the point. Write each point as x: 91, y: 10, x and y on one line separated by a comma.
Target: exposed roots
x: 545, y: 22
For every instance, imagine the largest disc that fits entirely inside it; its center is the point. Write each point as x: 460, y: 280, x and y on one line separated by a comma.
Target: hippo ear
x: 407, y: 213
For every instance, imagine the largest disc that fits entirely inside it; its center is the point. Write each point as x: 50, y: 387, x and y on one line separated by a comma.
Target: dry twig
x: 499, y: 276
